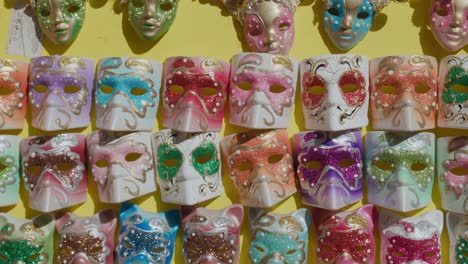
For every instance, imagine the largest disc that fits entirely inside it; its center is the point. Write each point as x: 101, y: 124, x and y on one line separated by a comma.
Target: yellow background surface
x: 203, y: 28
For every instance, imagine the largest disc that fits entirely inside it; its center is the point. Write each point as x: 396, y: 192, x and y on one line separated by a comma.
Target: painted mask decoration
x: 452, y: 165
x: 126, y: 94
x: 122, y: 164
x: 151, y: 19
x: 403, y: 92
x: 86, y: 239
x: 9, y: 170
x: 60, y: 92
x: 346, y: 237
x: 188, y: 166
x: 335, y: 92
x: 347, y: 22
x: 400, y: 170
x: 279, y: 238
x: 26, y: 241
x: 195, y: 93
x: 13, y: 85
x: 263, y: 88
x: 457, y: 226
x: 449, y: 23
x: 146, y: 237
x: 453, y: 91
x: 411, y: 239
x: 60, y: 20
x: 212, y: 236
x: 261, y: 166
x: 329, y: 168
x: 268, y: 26
x: 54, y: 171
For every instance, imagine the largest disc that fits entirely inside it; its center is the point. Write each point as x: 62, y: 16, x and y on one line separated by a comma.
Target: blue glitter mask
x: 146, y: 237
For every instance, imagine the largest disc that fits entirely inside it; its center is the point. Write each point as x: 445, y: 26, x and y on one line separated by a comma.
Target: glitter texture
x: 8, y: 171
x: 206, y: 168
x: 403, y: 250
x: 218, y: 246
x: 355, y: 243
x: 153, y: 244
x: 91, y: 244
x: 461, y: 250
x: 24, y: 251
x: 456, y: 75
x: 168, y: 152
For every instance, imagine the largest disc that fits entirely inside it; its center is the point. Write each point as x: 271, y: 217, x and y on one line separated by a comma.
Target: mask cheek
x: 254, y: 33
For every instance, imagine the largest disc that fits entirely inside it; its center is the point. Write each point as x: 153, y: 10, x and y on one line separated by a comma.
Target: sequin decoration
x: 219, y: 246
x: 461, y: 250
x: 8, y: 169
x: 404, y: 250
x: 153, y: 244
x: 91, y: 244
x: 22, y: 251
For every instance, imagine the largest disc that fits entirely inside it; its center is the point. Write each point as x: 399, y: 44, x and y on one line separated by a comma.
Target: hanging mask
x: 279, y: 238
x: 9, y: 170
x: 335, y: 92
x: 146, y: 237
x: 347, y: 237
x: 60, y: 20
x: 268, y: 25
x: 86, y: 239
x: 188, y: 166
x: 329, y: 168
x: 403, y: 92
x: 449, y: 23
x: 452, y: 165
x: 195, y: 93
x: 261, y: 166
x: 453, y: 92
x: 60, y: 92
x: 54, y: 171
x: 26, y: 241
x: 122, y: 164
x: 400, y: 170
x: 212, y: 236
x: 126, y: 95
x: 13, y: 85
x: 411, y: 239
x: 263, y: 88
x: 347, y: 22
x: 457, y: 226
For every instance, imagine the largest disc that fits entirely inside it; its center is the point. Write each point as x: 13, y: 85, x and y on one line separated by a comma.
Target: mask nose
x: 271, y: 40
x: 58, y: 16
x: 261, y: 175
x: 401, y: 177
x: 347, y: 22
x: 457, y: 20
x: 260, y: 98
x: 116, y: 171
x: 150, y: 10
x: 406, y: 100
x: 80, y: 259
x: 344, y: 259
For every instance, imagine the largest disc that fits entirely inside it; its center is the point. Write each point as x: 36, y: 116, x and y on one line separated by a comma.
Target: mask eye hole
x: 459, y: 88
x: 313, y: 165
x: 284, y: 26
x: 431, y: 254
x: 363, y: 15
x: 334, y: 11
x: 349, y: 88
x: 383, y: 165
x: 360, y: 248
x: 166, y: 6
x: 255, y: 32
x: 243, y: 166
x: 208, y: 91
x: 170, y: 163
x: 275, y: 158
x: 158, y: 250
x: 422, y: 89
x: 418, y: 166
x: 6, y: 91
x: 137, y: 91
x: 291, y: 252
x: 106, y: 89
x: 65, y: 166
x: 45, y: 12
x: 127, y: 244
x: 102, y: 163
x: 442, y: 12
x: 388, y: 89
x: 260, y: 249
x: 246, y: 86
x: 137, y: 3
x: 459, y: 171
x: 203, y: 159
x: 277, y: 88
x: 132, y: 156
x: 316, y: 90
x: 74, y: 9
x: 177, y: 89
x: 345, y: 163
x: 71, y: 89
x: 40, y: 89
x: 34, y: 170
x: 2, y: 167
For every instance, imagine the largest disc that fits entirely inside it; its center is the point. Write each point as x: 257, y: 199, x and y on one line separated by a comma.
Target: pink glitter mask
x: 261, y: 166
x: 262, y: 90
x: 54, y: 171
x: 194, y: 93
x: 13, y: 85
x: 449, y: 23
x: 403, y: 92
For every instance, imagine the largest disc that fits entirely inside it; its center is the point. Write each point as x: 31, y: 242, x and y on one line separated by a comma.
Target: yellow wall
x: 202, y: 28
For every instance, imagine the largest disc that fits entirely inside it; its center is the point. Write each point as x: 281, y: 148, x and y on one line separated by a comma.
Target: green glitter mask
x: 461, y: 250
x: 152, y: 18
x: 204, y: 159
x: 455, y: 86
x: 60, y: 20
x: 23, y: 250
x: 169, y: 161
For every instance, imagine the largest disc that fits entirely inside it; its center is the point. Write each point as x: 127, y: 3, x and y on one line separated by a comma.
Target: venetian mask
x: 9, y: 170
x: 449, y: 23
x: 411, y: 239
x: 347, y: 22
x: 13, y: 85
x: 347, y: 237
x: 263, y: 88
x: 60, y: 92
x: 457, y: 226
x: 26, y: 241
x: 403, y: 92
x: 151, y: 19
x: 54, y: 171
x: 146, y: 237
x: 188, y: 166
x: 122, y: 164
x: 335, y: 92
x: 126, y: 94
x: 261, y: 166
x: 60, y: 20
x: 453, y: 91
x: 195, y: 93
x: 212, y: 236
x: 279, y: 238
x: 268, y: 25
x: 86, y: 239
x: 452, y: 165
x: 329, y: 168
x: 400, y: 170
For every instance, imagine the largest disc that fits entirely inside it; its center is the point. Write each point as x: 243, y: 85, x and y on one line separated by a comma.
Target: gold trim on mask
x: 211, y: 63
x: 7, y: 65
x: 71, y: 62
x: 356, y: 221
x: 139, y: 64
x: 283, y: 61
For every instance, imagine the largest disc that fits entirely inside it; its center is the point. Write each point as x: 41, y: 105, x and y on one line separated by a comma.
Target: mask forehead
x: 9, y: 169
x: 126, y: 95
x: 13, y: 83
x: 449, y: 23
